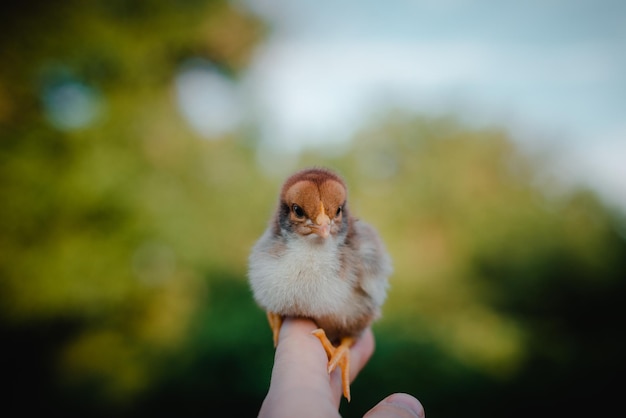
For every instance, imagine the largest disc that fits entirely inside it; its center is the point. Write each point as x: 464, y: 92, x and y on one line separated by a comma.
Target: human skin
x: 301, y: 386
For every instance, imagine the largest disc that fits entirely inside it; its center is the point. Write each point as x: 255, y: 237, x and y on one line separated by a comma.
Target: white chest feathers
x: 303, y: 277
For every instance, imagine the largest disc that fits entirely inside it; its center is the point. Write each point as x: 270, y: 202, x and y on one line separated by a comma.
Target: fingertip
x: 407, y: 401
x: 300, y: 360
x: 398, y: 405
x: 296, y: 327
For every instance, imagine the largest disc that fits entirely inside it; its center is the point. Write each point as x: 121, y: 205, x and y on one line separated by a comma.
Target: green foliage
x: 110, y: 226
x: 124, y: 241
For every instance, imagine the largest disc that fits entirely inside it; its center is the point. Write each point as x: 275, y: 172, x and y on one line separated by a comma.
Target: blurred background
x: 143, y: 143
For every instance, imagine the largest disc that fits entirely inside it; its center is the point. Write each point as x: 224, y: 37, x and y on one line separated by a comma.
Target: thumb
x: 398, y: 405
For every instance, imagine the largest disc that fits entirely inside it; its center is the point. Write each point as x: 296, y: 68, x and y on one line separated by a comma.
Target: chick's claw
x: 276, y: 321
x: 338, y: 356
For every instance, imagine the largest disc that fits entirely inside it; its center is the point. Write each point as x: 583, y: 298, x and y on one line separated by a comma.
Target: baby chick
x: 317, y: 261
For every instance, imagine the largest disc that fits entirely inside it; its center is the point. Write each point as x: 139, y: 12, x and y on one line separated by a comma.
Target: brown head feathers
x: 314, y: 196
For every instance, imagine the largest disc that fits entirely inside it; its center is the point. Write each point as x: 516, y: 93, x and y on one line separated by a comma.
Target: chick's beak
x: 322, y: 225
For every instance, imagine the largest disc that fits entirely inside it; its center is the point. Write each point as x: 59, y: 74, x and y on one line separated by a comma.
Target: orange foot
x: 276, y: 321
x: 338, y: 356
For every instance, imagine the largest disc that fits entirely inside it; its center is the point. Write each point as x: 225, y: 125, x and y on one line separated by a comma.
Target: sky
x: 553, y: 72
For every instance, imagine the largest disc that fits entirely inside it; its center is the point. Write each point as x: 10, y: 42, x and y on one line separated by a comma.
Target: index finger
x: 308, y: 359
x: 299, y: 379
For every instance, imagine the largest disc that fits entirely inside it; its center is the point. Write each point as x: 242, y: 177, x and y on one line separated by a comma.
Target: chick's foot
x: 338, y: 356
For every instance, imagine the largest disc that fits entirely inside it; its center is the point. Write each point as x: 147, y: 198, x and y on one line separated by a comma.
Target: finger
x: 299, y: 381
x: 300, y: 354
x: 361, y: 352
x: 398, y: 405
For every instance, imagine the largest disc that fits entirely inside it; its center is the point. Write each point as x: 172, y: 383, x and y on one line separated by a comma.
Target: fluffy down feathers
x: 316, y: 261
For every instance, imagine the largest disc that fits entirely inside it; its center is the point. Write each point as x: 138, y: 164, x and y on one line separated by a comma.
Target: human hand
x: 300, y: 385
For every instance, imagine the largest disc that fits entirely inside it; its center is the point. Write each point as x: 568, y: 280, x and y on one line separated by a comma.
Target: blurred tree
x: 112, y: 208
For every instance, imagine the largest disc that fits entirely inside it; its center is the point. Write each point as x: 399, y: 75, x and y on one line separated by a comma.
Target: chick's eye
x: 339, y: 209
x: 297, y: 210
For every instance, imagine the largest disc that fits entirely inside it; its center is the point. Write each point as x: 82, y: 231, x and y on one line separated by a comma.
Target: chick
x: 317, y: 261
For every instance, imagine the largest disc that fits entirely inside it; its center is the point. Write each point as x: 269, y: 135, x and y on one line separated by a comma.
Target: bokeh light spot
x: 71, y: 104
x: 207, y: 99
